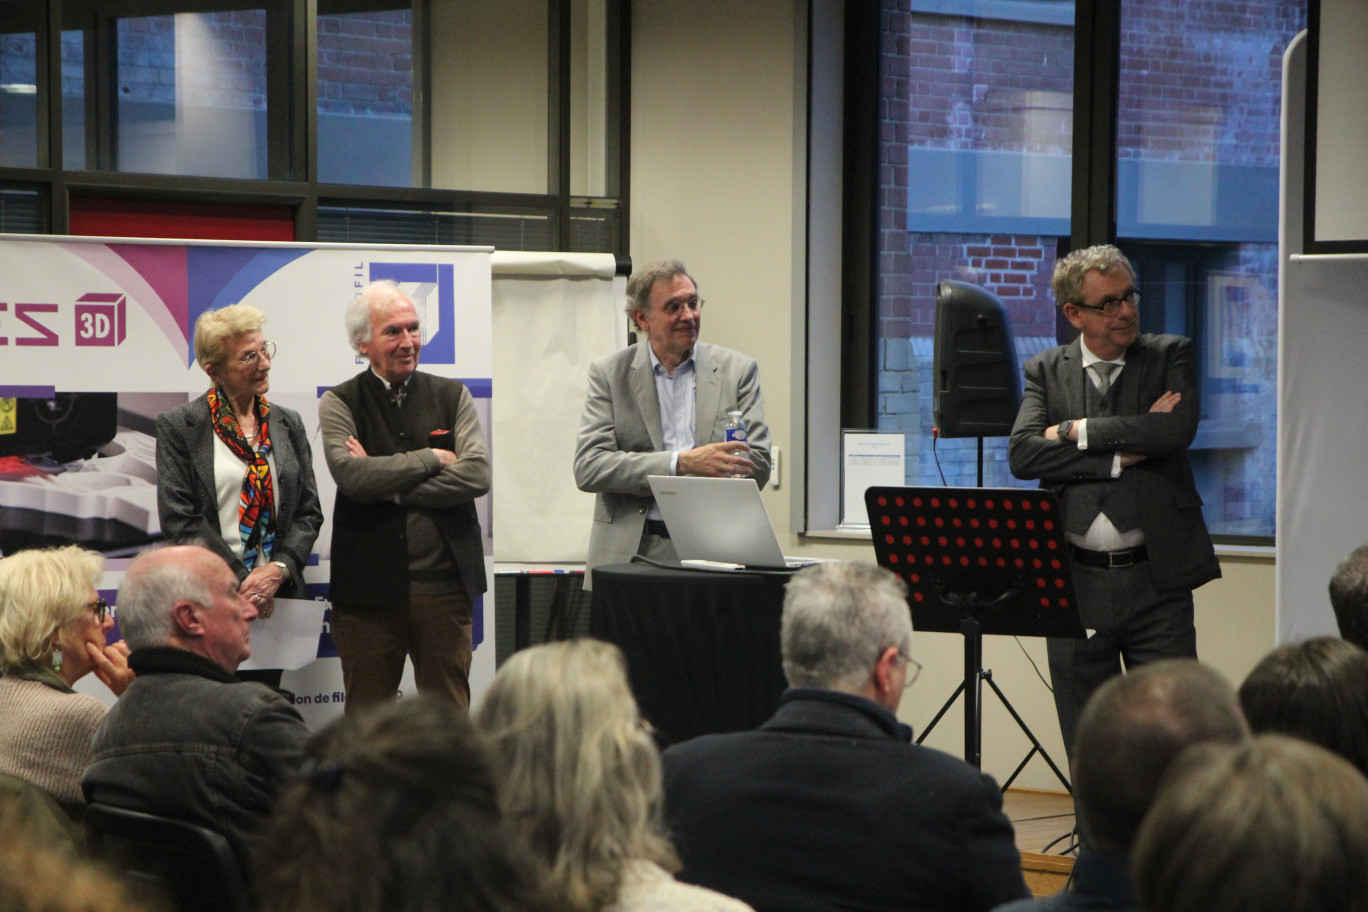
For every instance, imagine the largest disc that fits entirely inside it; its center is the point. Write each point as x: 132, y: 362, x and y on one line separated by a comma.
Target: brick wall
x: 365, y: 61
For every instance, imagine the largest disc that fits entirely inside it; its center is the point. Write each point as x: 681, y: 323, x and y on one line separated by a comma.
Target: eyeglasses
x: 1112, y: 306
x: 267, y: 351
x: 101, y: 609
x: 913, y: 665
x: 673, y: 307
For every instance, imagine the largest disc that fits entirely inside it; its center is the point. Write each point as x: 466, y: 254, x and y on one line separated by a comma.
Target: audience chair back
x: 194, y: 867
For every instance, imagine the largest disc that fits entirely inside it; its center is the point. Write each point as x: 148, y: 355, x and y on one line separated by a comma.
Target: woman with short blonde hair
x: 235, y: 471
x: 583, y: 778
x: 53, y: 626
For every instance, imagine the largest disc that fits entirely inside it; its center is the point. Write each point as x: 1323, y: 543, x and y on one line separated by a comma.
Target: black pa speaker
x: 978, y: 382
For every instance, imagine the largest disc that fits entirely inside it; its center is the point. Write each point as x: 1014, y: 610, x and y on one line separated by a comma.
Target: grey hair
x: 358, y: 317
x: 148, y: 594
x: 639, y: 285
x: 838, y: 617
x: 581, y: 771
x: 1069, y: 272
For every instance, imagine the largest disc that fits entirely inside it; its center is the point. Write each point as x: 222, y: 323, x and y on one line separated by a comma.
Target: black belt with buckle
x: 1108, y: 560
x: 657, y: 527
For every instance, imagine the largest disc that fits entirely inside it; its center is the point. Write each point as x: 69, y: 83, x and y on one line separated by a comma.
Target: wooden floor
x: 1041, y: 818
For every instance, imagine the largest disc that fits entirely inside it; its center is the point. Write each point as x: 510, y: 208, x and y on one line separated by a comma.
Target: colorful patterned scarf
x: 256, y: 517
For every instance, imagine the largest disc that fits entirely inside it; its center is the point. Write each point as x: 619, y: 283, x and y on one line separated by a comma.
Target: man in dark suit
x: 1105, y: 424
x: 829, y: 805
x: 660, y: 407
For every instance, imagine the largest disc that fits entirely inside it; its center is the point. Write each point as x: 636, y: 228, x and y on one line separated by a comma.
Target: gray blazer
x: 188, y: 506
x: 1181, y: 554
x: 620, y: 441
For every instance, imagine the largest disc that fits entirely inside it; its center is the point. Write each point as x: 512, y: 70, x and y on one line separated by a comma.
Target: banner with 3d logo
x: 95, y: 342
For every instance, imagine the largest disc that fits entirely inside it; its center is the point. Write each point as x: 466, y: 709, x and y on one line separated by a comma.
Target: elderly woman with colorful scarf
x: 235, y: 471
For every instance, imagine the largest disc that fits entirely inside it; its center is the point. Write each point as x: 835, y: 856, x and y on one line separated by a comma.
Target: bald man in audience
x: 829, y: 805
x: 187, y: 739
x: 1132, y: 729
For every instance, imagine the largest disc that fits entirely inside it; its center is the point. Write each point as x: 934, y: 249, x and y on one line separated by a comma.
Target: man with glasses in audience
x: 1105, y: 424
x: 660, y: 407
x: 829, y: 804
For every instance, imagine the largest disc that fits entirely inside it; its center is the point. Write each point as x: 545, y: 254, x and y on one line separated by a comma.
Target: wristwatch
x: 284, y: 568
x: 1064, y: 430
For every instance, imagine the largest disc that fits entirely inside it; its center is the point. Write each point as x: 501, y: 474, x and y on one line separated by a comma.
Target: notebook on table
x: 720, y: 522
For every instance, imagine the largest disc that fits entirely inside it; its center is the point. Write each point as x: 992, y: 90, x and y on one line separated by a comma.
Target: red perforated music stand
x: 976, y: 561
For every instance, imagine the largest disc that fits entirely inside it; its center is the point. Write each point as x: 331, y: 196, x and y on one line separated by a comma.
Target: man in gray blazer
x: 1105, y: 424
x: 659, y: 407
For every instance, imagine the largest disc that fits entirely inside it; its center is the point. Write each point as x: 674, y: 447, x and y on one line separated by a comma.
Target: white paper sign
x: 868, y: 460
x: 287, y: 639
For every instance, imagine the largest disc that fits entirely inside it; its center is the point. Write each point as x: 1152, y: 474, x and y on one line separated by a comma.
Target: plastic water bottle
x: 736, y: 430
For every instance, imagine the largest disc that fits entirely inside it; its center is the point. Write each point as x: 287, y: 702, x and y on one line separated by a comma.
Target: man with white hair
x: 829, y: 805
x: 187, y: 739
x: 408, y: 455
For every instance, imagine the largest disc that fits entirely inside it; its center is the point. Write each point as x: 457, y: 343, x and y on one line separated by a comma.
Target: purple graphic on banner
x: 153, y: 277
x: 220, y: 276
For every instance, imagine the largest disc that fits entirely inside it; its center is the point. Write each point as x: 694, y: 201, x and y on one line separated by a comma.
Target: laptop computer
x: 720, y: 521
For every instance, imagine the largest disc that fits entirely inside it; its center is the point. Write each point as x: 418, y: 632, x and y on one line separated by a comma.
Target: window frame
x: 292, y: 119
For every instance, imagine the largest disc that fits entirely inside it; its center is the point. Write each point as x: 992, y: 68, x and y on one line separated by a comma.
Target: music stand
x: 976, y: 561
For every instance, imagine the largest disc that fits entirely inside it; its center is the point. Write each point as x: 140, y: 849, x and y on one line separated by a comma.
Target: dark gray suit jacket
x: 188, y: 505
x: 620, y: 442
x: 828, y: 806
x: 1180, y: 550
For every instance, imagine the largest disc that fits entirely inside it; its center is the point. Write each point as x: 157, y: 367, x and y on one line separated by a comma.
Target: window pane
x: 365, y: 98
x: 73, y: 101
x: 593, y: 134
x: 1197, y: 210
x: 490, y: 82
x: 975, y: 185
x: 18, y: 99
x: 192, y: 94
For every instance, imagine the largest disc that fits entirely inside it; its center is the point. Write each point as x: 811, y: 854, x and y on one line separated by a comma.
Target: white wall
x: 718, y: 126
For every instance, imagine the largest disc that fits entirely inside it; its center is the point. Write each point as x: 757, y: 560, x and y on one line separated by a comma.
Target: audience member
x: 38, y: 875
x: 1316, y: 690
x: 397, y: 810
x: 1349, y: 596
x: 583, y: 779
x: 53, y: 625
x: 1131, y: 730
x: 829, y: 805
x: 1272, y: 825
x: 187, y: 740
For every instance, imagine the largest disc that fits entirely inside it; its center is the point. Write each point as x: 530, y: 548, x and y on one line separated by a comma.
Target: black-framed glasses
x: 673, y: 307
x: 267, y: 350
x: 1112, y: 306
x: 101, y: 609
x: 913, y: 666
